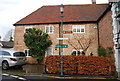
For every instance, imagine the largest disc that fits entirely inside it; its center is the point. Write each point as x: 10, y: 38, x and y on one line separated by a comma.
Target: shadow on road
x: 26, y: 69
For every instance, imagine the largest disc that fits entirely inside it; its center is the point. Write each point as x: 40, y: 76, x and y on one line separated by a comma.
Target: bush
x: 93, y: 65
x: 106, y: 52
x: 87, y: 65
x: 102, y: 51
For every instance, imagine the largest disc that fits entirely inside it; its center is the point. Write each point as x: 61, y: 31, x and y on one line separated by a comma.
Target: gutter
x: 56, y: 23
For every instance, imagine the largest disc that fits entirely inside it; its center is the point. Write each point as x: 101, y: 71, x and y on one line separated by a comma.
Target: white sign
x: 62, y: 38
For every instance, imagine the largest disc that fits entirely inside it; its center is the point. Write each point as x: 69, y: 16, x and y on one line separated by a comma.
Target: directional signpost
x: 62, y: 38
x: 61, y: 46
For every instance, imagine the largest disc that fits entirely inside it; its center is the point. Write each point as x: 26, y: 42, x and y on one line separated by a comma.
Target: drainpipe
x: 98, y: 34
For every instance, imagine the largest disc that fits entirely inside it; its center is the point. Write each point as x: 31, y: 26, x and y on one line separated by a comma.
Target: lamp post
x: 61, y: 41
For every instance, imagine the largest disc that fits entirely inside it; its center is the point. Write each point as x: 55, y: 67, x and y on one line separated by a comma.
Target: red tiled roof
x: 72, y: 13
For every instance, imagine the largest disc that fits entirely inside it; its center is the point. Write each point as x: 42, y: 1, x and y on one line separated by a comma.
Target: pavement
x: 37, y: 72
x: 78, y: 76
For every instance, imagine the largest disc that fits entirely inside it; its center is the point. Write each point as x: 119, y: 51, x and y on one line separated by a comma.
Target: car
x: 9, y: 58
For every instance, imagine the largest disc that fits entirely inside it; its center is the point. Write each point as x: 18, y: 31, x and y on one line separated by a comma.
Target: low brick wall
x: 31, y: 60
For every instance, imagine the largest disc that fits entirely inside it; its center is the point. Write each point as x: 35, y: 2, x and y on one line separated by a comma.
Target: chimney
x: 93, y: 1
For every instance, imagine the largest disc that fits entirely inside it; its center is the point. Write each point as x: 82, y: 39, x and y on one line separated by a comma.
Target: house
x: 87, y: 26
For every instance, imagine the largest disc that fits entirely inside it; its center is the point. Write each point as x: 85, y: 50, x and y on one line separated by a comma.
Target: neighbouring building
x: 8, y: 35
x: 6, y: 45
x: 87, y: 26
x: 116, y: 31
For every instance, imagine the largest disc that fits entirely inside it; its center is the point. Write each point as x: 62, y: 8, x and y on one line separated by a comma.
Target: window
x: 27, y: 28
x: 48, y: 51
x: 17, y: 54
x: 26, y: 51
x: 77, y: 52
x: 78, y: 28
x: 5, y: 53
x: 49, y: 29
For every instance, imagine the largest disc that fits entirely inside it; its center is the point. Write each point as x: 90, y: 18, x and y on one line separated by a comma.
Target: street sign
x: 67, y: 32
x: 61, y: 46
x: 62, y: 38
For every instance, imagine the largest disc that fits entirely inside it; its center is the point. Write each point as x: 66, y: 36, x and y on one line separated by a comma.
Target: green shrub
x: 37, y: 42
x: 109, y: 51
x: 102, y: 52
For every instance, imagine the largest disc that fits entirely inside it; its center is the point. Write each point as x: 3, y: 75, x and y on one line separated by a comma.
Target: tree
x: 11, y: 39
x: 9, y: 36
x: 81, y: 42
x: 37, y: 42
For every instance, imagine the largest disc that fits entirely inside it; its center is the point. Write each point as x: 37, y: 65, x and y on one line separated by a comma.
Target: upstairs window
x: 49, y: 29
x: 78, y: 28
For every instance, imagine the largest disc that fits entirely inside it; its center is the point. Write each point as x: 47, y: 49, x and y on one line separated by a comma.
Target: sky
x: 12, y: 11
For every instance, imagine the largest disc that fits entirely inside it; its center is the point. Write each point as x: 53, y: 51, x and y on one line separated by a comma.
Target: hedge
x: 86, y: 65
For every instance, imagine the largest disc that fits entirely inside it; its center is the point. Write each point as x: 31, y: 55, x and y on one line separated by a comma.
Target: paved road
x: 26, y: 69
x: 43, y: 78
x: 35, y: 73
x: 6, y: 78
x: 21, y: 78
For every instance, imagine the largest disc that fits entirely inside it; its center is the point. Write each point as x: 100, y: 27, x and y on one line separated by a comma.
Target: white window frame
x: 46, y: 53
x: 77, y: 51
x: 78, y: 27
x: 27, y: 28
x: 49, y: 31
x: 27, y: 52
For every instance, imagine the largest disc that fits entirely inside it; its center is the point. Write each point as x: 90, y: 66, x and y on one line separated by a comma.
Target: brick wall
x: 106, y: 31
x: 90, y: 31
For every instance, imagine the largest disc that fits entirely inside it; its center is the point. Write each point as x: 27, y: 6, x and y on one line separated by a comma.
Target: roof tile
x: 72, y: 13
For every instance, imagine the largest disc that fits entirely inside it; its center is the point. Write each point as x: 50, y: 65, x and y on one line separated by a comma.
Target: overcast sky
x: 12, y: 11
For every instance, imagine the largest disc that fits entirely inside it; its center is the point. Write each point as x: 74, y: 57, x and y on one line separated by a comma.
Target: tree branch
x: 72, y: 45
